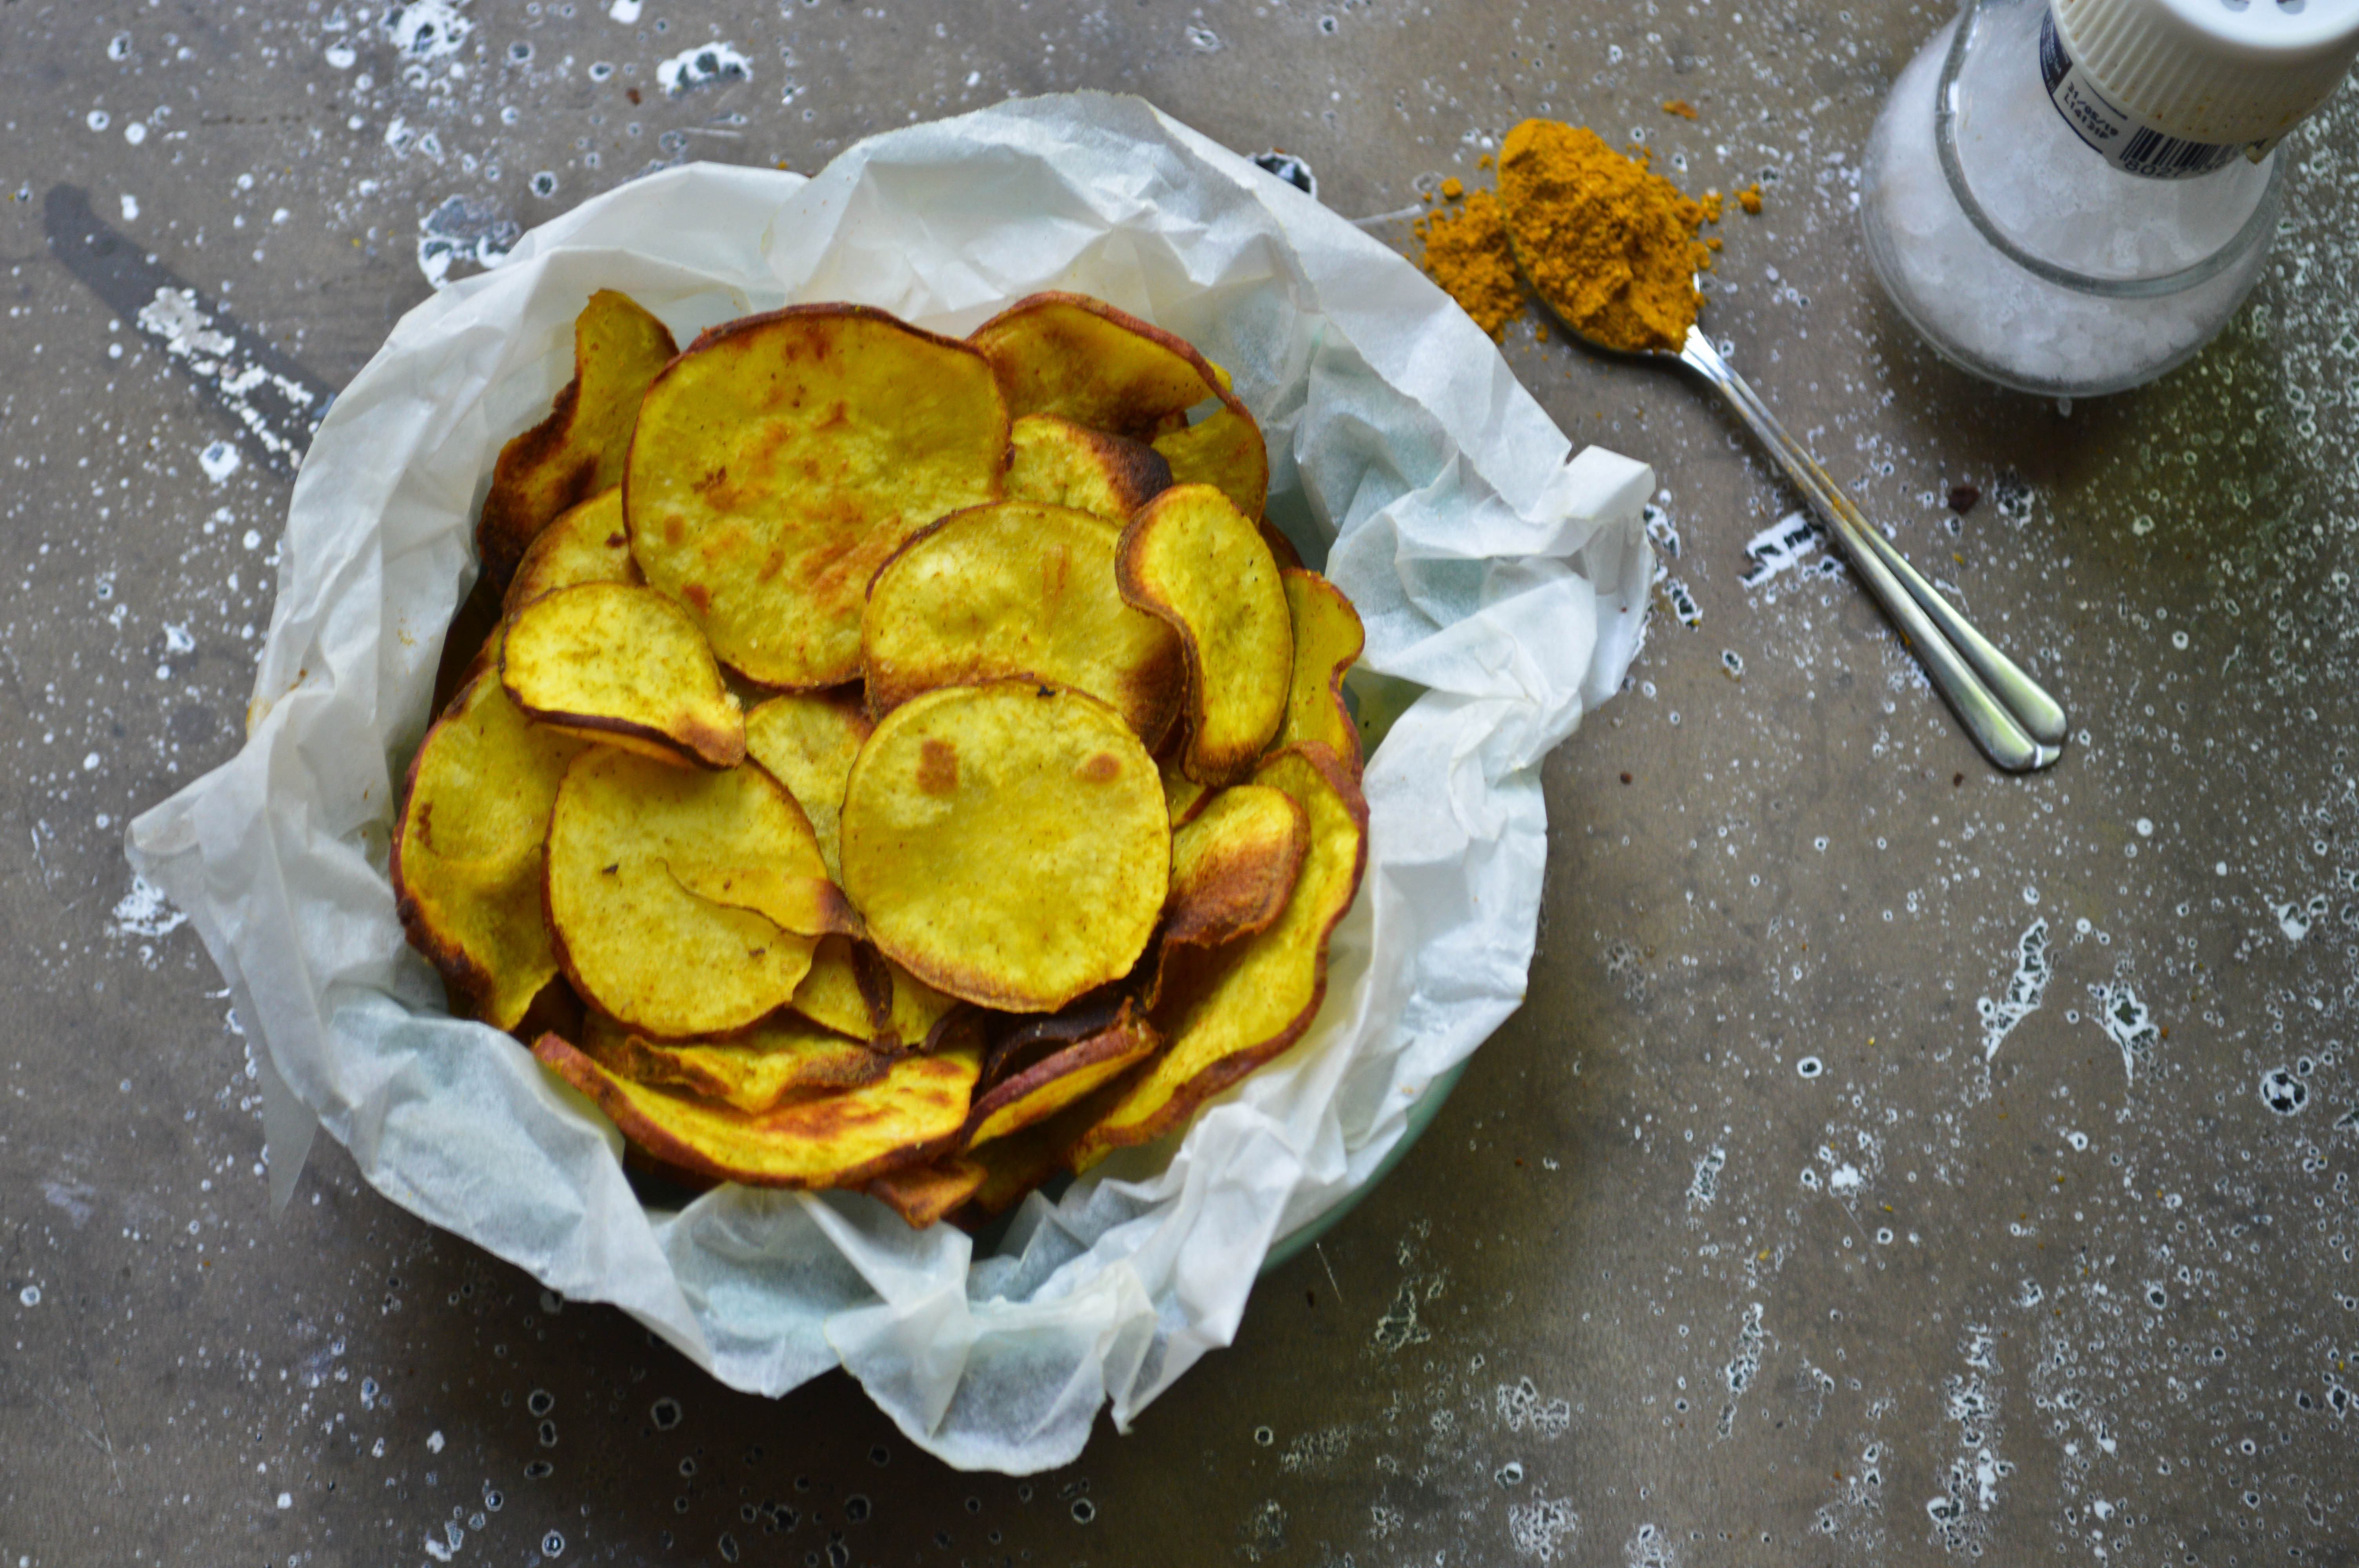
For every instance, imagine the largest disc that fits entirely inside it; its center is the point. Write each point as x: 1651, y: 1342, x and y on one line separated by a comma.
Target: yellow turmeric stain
x: 1610, y: 245
x: 1452, y: 190
x: 1750, y: 198
x: 1679, y: 106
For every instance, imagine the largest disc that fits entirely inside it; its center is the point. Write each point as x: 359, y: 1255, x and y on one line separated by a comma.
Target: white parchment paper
x: 1504, y: 579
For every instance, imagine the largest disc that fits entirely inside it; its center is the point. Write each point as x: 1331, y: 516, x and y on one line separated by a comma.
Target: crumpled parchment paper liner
x: 1506, y: 581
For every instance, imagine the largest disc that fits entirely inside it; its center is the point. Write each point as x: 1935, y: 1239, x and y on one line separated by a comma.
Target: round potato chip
x: 1193, y: 561
x: 1247, y: 1002
x: 1065, y: 464
x: 1008, y: 843
x: 578, y: 450
x: 584, y: 543
x: 628, y: 838
x: 1018, y: 589
x: 847, y: 1138
x: 466, y: 856
x: 1328, y: 639
x: 777, y: 1060
x: 780, y: 460
x: 613, y: 663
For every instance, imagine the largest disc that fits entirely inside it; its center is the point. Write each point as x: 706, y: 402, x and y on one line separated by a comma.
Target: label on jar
x: 2127, y: 141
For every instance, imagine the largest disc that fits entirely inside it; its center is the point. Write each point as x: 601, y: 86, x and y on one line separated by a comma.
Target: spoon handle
x: 2017, y: 725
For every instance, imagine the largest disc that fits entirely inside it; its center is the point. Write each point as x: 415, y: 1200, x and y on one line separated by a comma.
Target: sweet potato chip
x: 1026, y: 1159
x: 854, y: 990
x: 921, y: 1194
x: 578, y: 450
x: 1327, y: 641
x: 1008, y: 843
x: 805, y: 904
x: 627, y: 666
x: 1083, y: 359
x: 918, y: 1010
x: 1250, y: 1000
x: 1017, y: 588
x: 847, y: 989
x: 581, y: 544
x: 783, y: 457
x: 1225, y: 450
x: 781, y: 1058
x: 1281, y: 548
x: 1042, y: 1085
x: 808, y: 742
x: 627, y: 835
x: 1233, y: 866
x: 466, y: 859
x: 1060, y: 463
x: 1193, y: 561
x: 845, y: 1138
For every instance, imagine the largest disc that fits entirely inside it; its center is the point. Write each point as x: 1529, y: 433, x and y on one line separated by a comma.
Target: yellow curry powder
x: 1610, y: 244
x: 1467, y: 252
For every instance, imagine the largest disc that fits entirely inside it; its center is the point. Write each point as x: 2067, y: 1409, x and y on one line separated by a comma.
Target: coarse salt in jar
x: 2071, y: 197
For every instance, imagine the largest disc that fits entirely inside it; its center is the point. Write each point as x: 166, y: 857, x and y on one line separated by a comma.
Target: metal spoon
x: 2017, y: 725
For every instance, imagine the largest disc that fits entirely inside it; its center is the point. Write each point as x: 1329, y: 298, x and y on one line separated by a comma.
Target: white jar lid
x: 2228, y: 72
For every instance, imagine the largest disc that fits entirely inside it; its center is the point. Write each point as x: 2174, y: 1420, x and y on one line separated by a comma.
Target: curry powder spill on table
x: 1608, y: 243
x: 1466, y: 253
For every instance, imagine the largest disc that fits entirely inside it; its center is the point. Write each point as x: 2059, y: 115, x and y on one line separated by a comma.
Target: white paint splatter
x: 130, y: 207
x: 2296, y: 919
x: 1780, y: 548
x: 1843, y: 1179
x: 1987, y: 1471
x: 624, y: 11
x: 1705, y: 1186
x: 1743, y: 1365
x: 136, y: 132
x: 2032, y: 969
x: 2125, y: 1022
x: 1520, y: 1407
x: 339, y: 55
x: 464, y: 231
x: 187, y: 333
x: 219, y: 459
x: 434, y: 1442
x: 1537, y: 1528
x: 145, y: 912
x: 1649, y: 1546
x: 703, y: 65
x: 425, y: 29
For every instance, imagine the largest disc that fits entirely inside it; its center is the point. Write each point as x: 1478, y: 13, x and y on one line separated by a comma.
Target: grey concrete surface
x: 1751, y: 1239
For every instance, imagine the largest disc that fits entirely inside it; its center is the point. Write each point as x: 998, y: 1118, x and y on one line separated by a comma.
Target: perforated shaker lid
x: 2223, y: 72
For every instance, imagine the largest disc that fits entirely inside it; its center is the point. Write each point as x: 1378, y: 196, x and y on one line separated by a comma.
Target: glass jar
x: 2022, y: 254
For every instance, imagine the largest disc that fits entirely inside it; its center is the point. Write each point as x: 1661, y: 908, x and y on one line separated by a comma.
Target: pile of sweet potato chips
x: 901, y: 763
